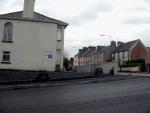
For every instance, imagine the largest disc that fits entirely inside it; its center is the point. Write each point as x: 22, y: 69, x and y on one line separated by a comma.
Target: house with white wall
x: 30, y: 40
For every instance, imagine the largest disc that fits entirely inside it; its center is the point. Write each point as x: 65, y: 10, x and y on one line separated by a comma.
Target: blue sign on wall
x: 48, y: 55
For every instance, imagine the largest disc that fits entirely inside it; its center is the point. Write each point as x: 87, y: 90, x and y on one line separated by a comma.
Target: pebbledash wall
x: 31, y: 42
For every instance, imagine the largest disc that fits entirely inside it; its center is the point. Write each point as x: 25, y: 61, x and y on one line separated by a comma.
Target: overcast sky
x: 123, y: 20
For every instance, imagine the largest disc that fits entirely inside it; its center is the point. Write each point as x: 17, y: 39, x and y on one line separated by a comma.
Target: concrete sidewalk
x: 15, y: 78
x: 29, y: 77
x: 135, y: 74
x: 64, y: 82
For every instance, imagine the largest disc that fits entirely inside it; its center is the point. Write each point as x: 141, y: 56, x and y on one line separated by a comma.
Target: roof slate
x: 37, y: 18
x: 107, y: 48
x: 125, y: 46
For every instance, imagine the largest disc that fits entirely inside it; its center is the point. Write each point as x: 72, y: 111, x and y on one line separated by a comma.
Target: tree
x: 71, y: 64
x: 66, y: 63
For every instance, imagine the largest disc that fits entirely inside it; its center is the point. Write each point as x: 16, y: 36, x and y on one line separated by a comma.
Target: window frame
x: 123, y: 55
x: 8, y: 32
x: 6, y: 57
x: 59, y: 30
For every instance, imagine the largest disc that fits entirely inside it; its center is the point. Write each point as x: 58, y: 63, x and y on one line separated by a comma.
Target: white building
x: 31, y: 41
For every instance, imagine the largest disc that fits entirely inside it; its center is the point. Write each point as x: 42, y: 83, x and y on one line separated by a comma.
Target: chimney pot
x: 113, y: 43
x: 119, y: 43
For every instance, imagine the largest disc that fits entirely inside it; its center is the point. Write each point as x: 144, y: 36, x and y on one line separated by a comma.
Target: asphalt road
x: 125, y: 96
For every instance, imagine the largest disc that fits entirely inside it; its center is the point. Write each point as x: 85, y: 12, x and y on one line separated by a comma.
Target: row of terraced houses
x: 128, y: 55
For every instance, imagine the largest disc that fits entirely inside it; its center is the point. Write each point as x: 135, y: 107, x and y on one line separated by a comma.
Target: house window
x: 123, y: 55
x: 113, y: 56
x: 59, y: 34
x: 118, y: 56
x: 8, y: 32
x: 6, y: 57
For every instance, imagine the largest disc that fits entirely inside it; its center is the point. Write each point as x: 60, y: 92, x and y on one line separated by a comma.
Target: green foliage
x: 66, y: 63
x: 133, y: 63
x: 139, y: 61
x: 129, y: 65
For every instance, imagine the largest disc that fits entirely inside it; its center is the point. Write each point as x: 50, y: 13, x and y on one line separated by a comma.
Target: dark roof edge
x: 66, y: 24
x: 60, y: 23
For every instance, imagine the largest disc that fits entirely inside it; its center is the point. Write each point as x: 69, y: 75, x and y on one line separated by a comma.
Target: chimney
x: 80, y: 51
x: 99, y: 48
x: 113, y: 43
x: 119, y: 43
x: 85, y: 49
x: 91, y: 48
x: 28, y: 11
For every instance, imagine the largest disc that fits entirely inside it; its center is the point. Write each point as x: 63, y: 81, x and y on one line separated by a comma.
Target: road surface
x: 125, y: 96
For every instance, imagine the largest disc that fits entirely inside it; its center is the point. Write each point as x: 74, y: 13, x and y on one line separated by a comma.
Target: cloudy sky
x: 123, y: 20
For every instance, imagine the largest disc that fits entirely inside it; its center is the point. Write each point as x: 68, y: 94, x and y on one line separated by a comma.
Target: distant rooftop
x: 125, y: 46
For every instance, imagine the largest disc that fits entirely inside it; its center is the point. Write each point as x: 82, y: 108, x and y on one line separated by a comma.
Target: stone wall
x: 106, y: 67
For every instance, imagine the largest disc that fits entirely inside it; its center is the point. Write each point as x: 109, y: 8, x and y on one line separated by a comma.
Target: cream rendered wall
x: 30, y: 41
x: 126, y: 56
x: 116, y: 57
x: 132, y: 69
x: 120, y: 56
x: 60, y: 46
x: 76, y: 61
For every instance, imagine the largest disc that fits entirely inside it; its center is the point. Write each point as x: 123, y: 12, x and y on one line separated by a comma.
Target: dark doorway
x: 142, y: 68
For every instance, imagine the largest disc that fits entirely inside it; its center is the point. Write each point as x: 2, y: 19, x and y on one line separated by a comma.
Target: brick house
x: 88, y: 55
x: 148, y: 49
x: 148, y: 63
x: 104, y: 53
x: 96, y: 55
x: 131, y: 51
x: 81, y: 54
x: 132, y: 54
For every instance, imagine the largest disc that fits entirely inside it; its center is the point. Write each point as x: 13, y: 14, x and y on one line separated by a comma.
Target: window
x: 59, y: 34
x: 58, y: 56
x: 6, y: 56
x: 118, y: 56
x: 8, y: 32
x: 123, y: 54
x: 113, y: 56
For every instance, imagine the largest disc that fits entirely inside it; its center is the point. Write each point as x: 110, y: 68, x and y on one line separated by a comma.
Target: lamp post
x: 110, y: 38
x: 107, y: 36
x: 119, y: 63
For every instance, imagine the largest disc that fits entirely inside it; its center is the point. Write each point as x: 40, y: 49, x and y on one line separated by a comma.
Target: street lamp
x: 103, y: 35
x: 106, y: 36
